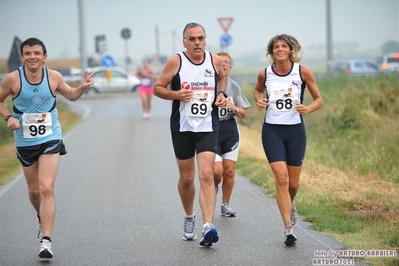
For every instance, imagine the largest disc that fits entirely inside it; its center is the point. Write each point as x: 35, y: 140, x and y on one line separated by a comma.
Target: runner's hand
x: 220, y: 100
x: 261, y: 104
x: 185, y: 95
x: 87, y: 81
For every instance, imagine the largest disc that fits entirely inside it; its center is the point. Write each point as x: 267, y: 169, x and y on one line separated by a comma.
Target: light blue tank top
x: 35, y: 99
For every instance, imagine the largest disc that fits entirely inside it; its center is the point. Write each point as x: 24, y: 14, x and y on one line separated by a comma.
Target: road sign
x: 126, y: 33
x: 101, y: 44
x: 108, y: 61
x: 15, y: 61
x: 225, y: 23
x: 226, y: 40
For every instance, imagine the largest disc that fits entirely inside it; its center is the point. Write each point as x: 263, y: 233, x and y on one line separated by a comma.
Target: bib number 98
x: 37, y: 130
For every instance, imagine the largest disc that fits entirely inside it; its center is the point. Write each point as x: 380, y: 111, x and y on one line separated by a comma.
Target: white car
x: 389, y: 62
x: 112, y: 79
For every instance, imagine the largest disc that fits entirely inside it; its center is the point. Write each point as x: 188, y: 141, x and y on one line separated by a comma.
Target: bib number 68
x: 284, y: 104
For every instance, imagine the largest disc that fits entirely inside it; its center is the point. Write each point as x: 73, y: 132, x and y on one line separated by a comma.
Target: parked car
x: 389, y: 62
x: 356, y: 67
x: 112, y: 79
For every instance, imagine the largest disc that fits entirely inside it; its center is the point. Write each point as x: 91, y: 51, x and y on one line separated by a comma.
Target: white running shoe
x: 227, y: 211
x: 46, y: 251
x: 210, y: 235
x: 189, y: 229
x: 289, y: 237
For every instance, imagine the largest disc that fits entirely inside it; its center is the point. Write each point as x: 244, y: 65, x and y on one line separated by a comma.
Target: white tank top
x: 283, y: 93
x: 200, y: 114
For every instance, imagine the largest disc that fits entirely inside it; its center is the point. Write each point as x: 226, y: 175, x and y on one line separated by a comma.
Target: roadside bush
x: 6, y: 135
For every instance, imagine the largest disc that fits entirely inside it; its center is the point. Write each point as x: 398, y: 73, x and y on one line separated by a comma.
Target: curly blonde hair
x: 295, y: 48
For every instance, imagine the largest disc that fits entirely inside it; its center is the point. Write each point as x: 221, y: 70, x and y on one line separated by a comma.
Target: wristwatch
x: 7, y: 117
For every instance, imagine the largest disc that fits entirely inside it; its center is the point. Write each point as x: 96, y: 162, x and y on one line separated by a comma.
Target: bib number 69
x: 199, y: 109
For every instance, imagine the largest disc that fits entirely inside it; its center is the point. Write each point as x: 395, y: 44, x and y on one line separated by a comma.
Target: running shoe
x: 39, y: 230
x: 45, y: 249
x: 189, y: 229
x: 210, y: 235
x: 293, y: 213
x: 227, y: 211
x: 289, y: 237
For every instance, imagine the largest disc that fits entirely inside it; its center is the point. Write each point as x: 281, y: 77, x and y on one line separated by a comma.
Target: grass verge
x: 359, y: 211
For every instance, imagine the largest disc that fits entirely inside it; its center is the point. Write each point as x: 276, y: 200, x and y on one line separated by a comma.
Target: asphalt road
x: 117, y: 203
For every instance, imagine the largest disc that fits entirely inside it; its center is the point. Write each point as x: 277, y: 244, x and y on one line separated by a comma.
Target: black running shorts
x: 284, y: 143
x: 185, y: 144
x: 30, y: 154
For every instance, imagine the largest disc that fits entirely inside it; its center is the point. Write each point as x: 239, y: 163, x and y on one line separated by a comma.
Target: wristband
x: 7, y: 117
x: 224, y: 94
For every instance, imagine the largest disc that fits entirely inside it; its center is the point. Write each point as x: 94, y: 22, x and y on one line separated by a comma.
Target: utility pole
x: 173, y: 42
x: 157, y: 57
x: 157, y: 43
x: 82, y: 35
x: 126, y: 34
x: 329, y: 39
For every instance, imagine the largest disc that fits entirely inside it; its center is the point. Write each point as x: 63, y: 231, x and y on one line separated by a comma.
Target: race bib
x: 146, y: 81
x: 282, y: 100
x: 37, y: 125
x: 225, y: 112
x: 199, y: 105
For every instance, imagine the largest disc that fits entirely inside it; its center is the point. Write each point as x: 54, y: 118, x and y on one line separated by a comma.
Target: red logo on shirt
x: 185, y: 85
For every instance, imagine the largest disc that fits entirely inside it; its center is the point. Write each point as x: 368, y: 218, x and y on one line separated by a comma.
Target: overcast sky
x: 369, y: 23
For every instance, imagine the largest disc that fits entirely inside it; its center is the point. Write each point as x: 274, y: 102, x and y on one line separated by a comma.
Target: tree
x: 390, y: 46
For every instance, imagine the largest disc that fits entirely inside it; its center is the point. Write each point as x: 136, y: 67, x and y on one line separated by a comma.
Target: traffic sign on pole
x: 225, y: 23
x: 225, y: 40
x: 108, y: 61
x: 101, y: 44
x: 125, y: 33
x: 15, y: 61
